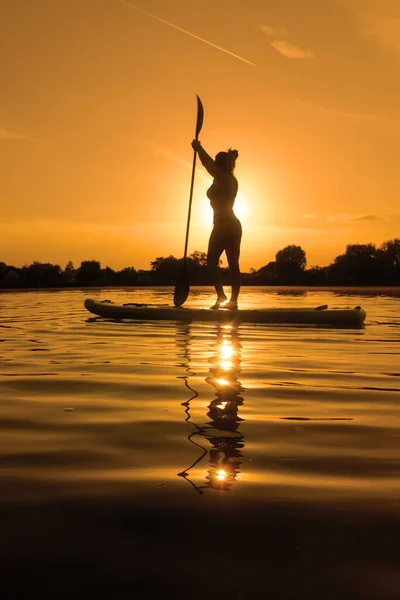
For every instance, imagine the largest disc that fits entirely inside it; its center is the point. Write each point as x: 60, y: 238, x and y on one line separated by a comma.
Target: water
x: 177, y: 460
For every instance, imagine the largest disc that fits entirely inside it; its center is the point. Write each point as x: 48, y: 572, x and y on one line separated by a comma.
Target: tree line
x: 361, y: 264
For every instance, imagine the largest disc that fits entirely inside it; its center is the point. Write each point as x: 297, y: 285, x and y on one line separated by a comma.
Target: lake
x: 179, y: 460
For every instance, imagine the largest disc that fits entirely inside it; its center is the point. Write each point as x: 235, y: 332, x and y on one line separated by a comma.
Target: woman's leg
x: 215, y: 249
x: 232, y: 254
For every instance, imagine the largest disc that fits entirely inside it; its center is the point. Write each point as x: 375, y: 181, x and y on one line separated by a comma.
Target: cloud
x: 276, y: 32
x: 340, y: 218
x: 292, y: 230
x: 349, y: 218
x: 368, y: 218
x: 6, y: 134
x: 290, y: 50
x: 287, y: 49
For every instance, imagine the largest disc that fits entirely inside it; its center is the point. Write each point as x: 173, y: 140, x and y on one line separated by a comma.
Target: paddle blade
x: 200, y: 117
x: 182, y: 288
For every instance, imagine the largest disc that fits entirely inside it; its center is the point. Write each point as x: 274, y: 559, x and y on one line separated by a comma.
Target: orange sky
x: 98, y: 109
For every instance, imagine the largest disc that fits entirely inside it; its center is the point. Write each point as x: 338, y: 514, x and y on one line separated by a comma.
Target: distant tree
x: 108, y: 276
x: 316, y: 275
x: 165, y: 270
x: 11, y: 278
x: 249, y: 277
x: 390, y: 256
x: 358, y: 265
x: 338, y: 271
x: 51, y: 275
x: 197, y: 267
x: 290, y: 264
x: 157, y: 262
x: 360, y: 253
x: 89, y: 273
x: 38, y: 275
x: 391, y: 250
x: 266, y: 275
x: 144, y: 277
x: 199, y: 258
x: 69, y: 274
x: 292, y: 253
x: 128, y: 276
x: 388, y: 262
x: 3, y: 270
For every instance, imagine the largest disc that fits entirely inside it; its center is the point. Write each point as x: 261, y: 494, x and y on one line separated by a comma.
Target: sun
x: 241, y: 209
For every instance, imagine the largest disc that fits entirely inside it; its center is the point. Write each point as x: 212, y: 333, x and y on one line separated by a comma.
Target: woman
x: 227, y: 231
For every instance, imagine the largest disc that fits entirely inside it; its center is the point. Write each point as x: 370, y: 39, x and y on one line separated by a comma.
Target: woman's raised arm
x: 206, y: 159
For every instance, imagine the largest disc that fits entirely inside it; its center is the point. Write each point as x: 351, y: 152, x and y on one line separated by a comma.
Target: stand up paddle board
x: 346, y: 317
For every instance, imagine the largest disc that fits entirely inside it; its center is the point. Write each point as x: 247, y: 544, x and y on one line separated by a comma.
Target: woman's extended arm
x: 206, y: 159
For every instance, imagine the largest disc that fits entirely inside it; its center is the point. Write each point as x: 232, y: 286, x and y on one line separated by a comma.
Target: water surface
x: 178, y: 459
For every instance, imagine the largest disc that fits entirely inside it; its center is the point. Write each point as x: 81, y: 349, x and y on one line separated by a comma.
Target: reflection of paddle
x: 182, y: 283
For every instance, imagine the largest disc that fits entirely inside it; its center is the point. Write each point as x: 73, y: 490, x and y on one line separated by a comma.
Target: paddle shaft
x: 182, y: 286
x: 190, y: 203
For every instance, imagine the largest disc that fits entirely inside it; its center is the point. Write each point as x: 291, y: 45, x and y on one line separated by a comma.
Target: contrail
x: 185, y: 31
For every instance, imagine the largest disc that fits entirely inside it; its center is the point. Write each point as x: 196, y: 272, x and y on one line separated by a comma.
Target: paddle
x: 182, y: 285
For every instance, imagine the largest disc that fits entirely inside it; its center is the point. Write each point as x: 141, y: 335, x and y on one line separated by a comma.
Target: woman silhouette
x: 227, y: 230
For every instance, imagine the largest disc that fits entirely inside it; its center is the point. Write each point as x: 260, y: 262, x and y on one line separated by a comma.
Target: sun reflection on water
x: 221, y: 475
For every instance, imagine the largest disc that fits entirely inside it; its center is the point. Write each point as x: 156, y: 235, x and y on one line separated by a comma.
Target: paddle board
x: 342, y: 317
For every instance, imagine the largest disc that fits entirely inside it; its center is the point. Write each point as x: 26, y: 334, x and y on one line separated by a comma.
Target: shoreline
x: 273, y: 288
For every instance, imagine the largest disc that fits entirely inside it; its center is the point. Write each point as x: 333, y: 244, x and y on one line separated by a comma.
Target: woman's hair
x: 227, y: 160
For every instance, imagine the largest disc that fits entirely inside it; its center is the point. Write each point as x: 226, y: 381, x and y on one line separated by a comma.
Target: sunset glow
x: 96, y: 127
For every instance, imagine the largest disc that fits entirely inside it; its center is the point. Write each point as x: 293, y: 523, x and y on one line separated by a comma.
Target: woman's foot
x: 221, y: 301
x: 231, y: 305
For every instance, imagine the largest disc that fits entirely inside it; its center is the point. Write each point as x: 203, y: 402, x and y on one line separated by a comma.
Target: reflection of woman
x: 221, y: 432
x: 226, y: 441
x: 227, y: 231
